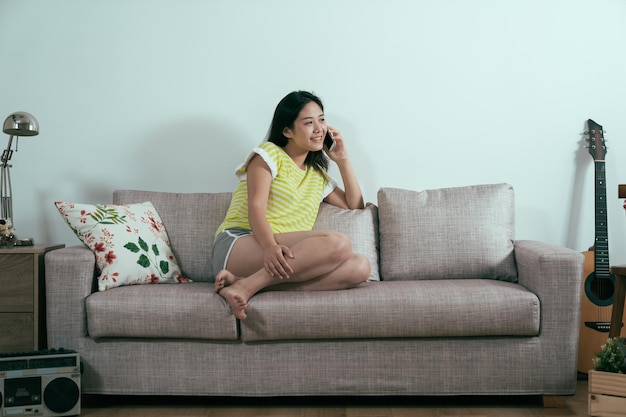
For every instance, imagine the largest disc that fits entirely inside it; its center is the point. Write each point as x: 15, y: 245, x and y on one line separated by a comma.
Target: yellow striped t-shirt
x: 294, y: 198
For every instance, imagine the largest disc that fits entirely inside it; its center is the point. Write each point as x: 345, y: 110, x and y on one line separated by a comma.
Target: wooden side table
x: 618, y: 300
x: 22, y: 298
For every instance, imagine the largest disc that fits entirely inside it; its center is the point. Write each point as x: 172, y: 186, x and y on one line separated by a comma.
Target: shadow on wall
x: 195, y: 155
x: 583, y: 161
x: 50, y: 224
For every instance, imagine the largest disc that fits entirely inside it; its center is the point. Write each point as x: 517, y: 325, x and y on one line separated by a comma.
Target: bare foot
x: 238, y: 305
x: 224, y: 278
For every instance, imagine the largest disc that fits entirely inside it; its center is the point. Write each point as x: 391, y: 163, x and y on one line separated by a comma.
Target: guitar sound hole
x: 600, y: 290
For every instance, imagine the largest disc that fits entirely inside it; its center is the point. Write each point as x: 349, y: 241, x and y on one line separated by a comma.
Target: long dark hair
x: 285, y: 115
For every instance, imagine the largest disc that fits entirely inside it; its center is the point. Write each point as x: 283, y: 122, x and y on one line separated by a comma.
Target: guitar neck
x: 601, y: 246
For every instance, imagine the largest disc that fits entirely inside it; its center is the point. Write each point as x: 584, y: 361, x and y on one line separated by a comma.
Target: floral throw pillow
x: 130, y: 243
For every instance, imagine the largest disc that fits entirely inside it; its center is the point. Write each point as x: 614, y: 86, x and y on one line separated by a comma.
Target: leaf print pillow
x: 129, y: 241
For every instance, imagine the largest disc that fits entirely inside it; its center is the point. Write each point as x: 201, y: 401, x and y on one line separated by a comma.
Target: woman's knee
x: 339, y: 245
x: 360, y: 269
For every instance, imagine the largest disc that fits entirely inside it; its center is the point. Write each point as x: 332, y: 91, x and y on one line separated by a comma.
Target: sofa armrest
x: 70, y: 274
x: 555, y: 275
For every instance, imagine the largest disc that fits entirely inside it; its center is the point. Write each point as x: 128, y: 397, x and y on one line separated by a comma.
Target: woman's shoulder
x: 269, y: 147
x: 269, y: 150
x: 272, y: 154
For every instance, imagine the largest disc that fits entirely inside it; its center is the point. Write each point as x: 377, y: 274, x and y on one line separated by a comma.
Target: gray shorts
x: 223, y: 245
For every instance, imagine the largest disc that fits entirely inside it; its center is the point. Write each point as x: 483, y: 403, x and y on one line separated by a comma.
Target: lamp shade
x: 21, y: 124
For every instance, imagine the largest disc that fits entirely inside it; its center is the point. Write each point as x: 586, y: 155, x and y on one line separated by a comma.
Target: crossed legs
x: 323, y: 260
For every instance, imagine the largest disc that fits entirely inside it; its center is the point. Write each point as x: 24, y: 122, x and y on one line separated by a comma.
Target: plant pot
x: 607, y: 394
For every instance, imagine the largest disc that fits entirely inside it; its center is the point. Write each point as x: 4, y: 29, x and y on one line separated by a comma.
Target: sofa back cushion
x: 462, y: 232
x: 191, y: 220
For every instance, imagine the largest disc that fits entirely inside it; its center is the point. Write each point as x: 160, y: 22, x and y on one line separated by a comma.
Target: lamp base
x: 24, y: 241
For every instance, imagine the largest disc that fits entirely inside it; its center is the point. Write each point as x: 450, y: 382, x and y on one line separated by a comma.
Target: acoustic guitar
x: 598, y: 282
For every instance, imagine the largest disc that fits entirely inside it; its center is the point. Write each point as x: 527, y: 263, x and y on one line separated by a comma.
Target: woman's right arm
x: 259, y: 179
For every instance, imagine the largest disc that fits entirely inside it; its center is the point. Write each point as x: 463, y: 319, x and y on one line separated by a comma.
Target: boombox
x: 41, y: 383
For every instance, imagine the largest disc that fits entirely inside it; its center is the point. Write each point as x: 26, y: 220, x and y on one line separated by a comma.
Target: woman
x: 266, y: 241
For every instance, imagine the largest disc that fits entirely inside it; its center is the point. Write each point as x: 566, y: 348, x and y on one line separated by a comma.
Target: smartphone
x: 329, y: 142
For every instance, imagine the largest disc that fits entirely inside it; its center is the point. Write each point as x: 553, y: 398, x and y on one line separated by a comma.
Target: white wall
x: 170, y: 95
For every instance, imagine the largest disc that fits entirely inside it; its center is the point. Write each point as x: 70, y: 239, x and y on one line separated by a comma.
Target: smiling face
x: 309, y: 129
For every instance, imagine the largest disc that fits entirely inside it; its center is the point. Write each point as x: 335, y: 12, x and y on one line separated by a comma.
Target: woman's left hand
x: 352, y: 197
x: 340, y: 150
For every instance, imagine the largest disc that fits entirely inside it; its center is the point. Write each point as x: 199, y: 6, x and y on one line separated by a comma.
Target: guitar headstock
x: 597, y: 147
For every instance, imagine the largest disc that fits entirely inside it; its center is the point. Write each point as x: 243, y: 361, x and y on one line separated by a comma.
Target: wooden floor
x: 102, y: 406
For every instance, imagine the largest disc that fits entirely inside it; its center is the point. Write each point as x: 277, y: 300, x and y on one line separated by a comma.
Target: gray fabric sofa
x: 455, y: 306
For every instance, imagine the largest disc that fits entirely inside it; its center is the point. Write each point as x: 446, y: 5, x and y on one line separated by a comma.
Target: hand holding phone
x: 329, y: 142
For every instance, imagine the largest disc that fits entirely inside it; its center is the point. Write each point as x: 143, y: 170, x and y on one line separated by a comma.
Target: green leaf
x: 107, y: 215
x: 143, y: 244
x: 98, y: 215
x: 165, y: 267
x: 117, y: 219
x: 132, y: 247
x: 155, y: 250
x: 143, y: 261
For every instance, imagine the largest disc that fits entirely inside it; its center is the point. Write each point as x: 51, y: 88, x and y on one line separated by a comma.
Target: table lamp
x: 16, y: 125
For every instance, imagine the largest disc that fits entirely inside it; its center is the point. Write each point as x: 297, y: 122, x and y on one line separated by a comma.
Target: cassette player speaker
x: 42, y: 383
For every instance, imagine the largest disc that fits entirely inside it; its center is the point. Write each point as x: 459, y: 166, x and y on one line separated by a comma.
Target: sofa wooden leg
x: 554, y: 401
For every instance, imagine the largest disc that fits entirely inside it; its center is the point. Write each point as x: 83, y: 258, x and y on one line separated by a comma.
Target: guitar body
x: 598, y: 283
x: 595, y: 313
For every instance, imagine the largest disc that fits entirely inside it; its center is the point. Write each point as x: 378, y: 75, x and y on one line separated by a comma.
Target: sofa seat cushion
x: 188, y: 311
x: 419, y: 308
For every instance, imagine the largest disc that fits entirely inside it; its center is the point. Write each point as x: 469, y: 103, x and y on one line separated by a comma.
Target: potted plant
x: 607, y: 380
